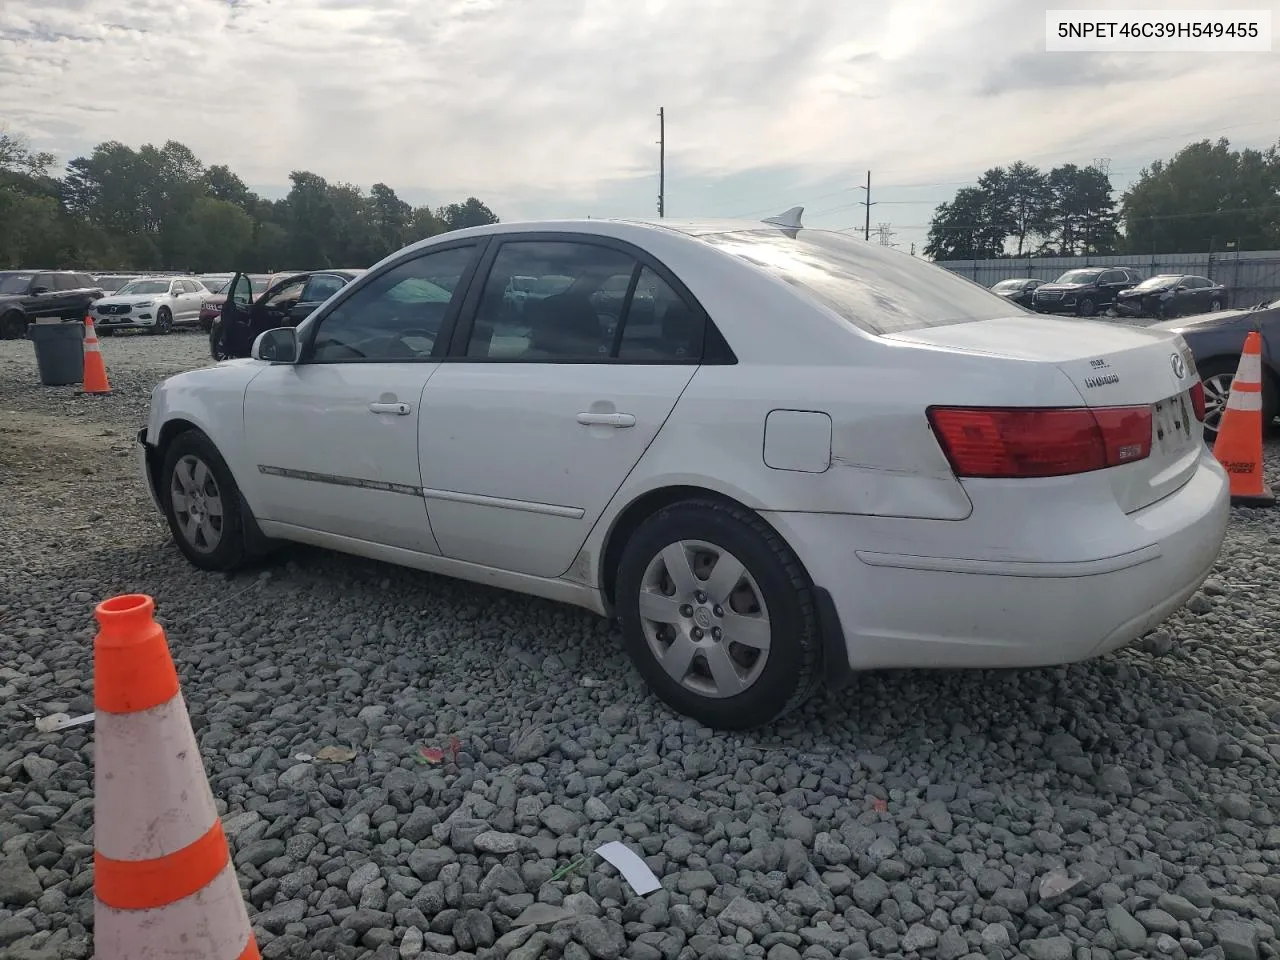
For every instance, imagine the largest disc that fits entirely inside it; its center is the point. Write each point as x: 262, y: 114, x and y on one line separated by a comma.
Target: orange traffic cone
x: 95, y: 371
x: 163, y: 881
x: 1239, y: 444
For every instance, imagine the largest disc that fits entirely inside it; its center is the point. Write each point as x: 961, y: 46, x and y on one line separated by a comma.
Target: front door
x: 549, y: 400
x: 334, y: 437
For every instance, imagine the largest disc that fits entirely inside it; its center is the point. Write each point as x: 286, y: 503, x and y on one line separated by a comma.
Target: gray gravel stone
x: 19, y: 884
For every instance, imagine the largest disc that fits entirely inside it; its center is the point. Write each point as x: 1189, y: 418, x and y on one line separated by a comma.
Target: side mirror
x: 276, y: 346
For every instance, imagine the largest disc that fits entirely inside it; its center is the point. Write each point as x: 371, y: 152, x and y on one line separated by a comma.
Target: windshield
x: 144, y: 286
x: 876, y: 288
x: 1079, y: 276
x: 216, y: 284
x: 1005, y: 285
x: 1155, y: 283
x: 15, y: 282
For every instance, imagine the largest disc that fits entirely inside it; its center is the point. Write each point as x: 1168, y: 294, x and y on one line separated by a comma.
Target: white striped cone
x: 164, y: 884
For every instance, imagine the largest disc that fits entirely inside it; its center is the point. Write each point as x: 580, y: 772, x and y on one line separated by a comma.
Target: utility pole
x: 866, y: 229
x: 662, y: 162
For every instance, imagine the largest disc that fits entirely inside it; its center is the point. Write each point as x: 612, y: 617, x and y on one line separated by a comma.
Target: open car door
x: 231, y: 327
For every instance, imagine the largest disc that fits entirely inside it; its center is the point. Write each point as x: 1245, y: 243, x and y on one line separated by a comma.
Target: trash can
x: 59, y: 352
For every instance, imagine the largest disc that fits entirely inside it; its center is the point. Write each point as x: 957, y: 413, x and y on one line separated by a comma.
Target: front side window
x: 397, y: 315
x: 550, y: 312
x: 64, y: 281
x: 45, y: 280
x: 290, y: 292
x: 876, y: 288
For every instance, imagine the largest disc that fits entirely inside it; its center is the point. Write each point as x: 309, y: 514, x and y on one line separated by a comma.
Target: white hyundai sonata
x: 776, y: 454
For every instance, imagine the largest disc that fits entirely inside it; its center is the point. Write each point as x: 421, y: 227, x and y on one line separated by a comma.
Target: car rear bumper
x: 901, y: 606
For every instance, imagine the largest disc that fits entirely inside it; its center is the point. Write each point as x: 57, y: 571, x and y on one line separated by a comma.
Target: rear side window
x: 876, y: 288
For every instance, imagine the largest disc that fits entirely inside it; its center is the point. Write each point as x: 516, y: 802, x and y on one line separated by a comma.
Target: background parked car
x: 286, y: 303
x: 1217, y: 340
x: 29, y: 295
x: 1018, y: 290
x: 1171, y: 295
x: 211, y: 309
x: 111, y: 282
x: 1085, y: 291
x: 154, y: 304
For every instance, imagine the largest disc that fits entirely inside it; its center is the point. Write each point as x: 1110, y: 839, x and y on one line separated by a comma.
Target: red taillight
x: 1040, y: 442
x: 1197, y: 400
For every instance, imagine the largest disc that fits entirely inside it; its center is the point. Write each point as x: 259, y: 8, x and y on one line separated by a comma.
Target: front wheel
x: 202, y: 503
x: 218, y: 342
x: 164, y: 322
x: 1215, y: 305
x: 1086, y: 307
x: 718, y: 615
x: 13, y: 326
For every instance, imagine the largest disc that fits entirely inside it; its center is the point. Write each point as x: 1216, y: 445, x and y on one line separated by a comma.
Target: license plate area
x: 1171, y: 421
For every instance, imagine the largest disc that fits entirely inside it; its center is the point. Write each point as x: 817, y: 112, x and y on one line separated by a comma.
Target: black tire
x: 229, y: 552
x: 217, y: 342
x: 105, y: 332
x: 790, y: 673
x: 1223, y: 371
x: 1087, y: 307
x: 164, y: 322
x: 13, y: 326
x: 1215, y: 305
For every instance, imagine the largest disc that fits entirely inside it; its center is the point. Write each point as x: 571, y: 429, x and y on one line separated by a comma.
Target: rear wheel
x: 202, y: 503
x: 718, y: 615
x: 1216, y: 375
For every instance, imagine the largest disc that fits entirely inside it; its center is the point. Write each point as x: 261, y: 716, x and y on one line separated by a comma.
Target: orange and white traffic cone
x: 164, y: 884
x: 1239, y: 443
x: 95, y: 371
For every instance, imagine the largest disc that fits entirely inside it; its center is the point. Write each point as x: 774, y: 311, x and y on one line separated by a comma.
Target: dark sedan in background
x: 286, y: 302
x: 1172, y: 295
x: 1217, y: 340
x: 1018, y: 290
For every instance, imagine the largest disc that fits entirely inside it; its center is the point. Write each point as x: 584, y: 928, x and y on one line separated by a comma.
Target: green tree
x: 311, y: 218
x: 965, y: 228
x: 390, y: 218
x: 222, y: 234
x: 1082, y: 216
x: 470, y: 213
x: 221, y: 184
x: 422, y: 224
x: 1206, y: 195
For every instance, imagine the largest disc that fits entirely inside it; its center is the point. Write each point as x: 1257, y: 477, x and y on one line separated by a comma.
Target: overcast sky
x: 549, y: 107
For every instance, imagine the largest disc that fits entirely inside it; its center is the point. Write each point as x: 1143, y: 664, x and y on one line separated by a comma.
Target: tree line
x: 161, y: 208
x: 1206, y: 197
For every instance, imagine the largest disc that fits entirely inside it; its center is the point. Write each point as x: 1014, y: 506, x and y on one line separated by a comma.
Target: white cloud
x: 523, y: 101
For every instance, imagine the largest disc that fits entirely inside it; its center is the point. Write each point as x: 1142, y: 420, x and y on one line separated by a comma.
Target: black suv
x: 1084, y: 291
x: 30, y: 295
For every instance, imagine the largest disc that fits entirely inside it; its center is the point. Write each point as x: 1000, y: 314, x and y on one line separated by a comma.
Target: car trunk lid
x: 1110, y: 365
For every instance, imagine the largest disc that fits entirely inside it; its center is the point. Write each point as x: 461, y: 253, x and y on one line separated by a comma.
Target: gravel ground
x: 1128, y: 807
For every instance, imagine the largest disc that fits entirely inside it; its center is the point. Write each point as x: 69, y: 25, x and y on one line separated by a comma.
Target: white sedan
x: 154, y: 304
x: 776, y: 454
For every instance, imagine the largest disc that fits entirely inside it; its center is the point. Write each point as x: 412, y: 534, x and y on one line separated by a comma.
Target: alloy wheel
x: 704, y: 619
x: 197, y: 503
x: 1216, y: 390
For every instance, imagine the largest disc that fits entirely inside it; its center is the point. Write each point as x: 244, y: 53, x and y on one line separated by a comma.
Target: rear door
x: 542, y: 409
x: 190, y: 301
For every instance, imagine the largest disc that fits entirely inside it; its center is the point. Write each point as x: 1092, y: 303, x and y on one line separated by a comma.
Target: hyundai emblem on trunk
x: 1179, y: 366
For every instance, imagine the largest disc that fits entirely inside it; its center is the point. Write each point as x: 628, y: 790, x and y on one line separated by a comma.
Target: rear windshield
x: 876, y: 288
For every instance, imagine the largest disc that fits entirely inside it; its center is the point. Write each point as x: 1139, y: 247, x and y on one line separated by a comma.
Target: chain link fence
x: 1250, y: 277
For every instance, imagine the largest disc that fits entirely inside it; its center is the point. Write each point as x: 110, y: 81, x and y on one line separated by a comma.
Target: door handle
x: 399, y: 409
x: 607, y: 419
